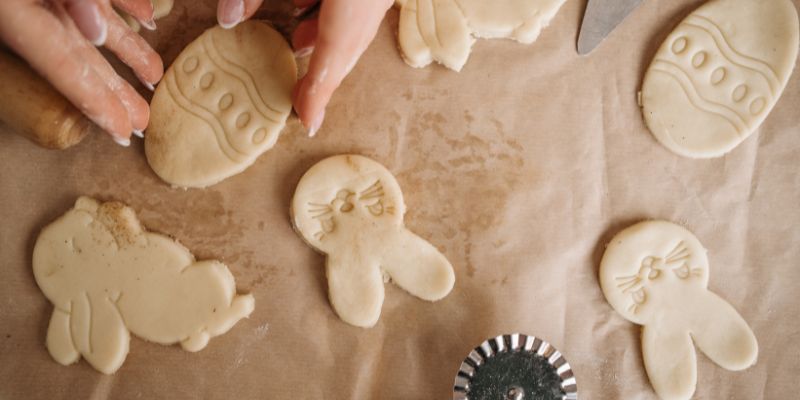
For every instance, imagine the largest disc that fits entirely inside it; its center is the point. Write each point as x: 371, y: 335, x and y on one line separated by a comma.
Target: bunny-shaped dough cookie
x: 351, y: 208
x: 443, y: 30
x: 655, y: 273
x: 107, y: 276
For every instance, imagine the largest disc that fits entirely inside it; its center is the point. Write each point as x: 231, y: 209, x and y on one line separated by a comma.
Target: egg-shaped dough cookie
x: 221, y: 104
x: 717, y: 76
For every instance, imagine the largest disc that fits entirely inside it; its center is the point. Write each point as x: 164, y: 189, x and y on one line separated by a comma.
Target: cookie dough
x: 718, y: 75
x: 351, y: 208
x: 655, y: 274
x: 444, y: 30
x: 107, y: 276
x: 221, y: 104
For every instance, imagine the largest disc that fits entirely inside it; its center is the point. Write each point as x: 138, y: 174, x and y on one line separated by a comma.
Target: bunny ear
x: 418, y: 267
x: 355, y: 288
x: 59, y: 339
x: 99, y: 333
x: 670, y: 361
x: 721, y: 333
x: 434, y: 30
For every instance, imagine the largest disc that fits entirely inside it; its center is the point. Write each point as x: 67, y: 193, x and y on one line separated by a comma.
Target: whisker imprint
x: 679, y: 248
x: 630, y: 285
x: 374, y: 191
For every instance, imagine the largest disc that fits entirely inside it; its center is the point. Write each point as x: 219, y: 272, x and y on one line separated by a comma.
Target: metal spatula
x: 601, y: 17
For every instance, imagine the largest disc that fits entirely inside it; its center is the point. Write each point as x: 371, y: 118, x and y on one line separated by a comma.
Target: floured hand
x: 333, y: 40
x: 58, y: 39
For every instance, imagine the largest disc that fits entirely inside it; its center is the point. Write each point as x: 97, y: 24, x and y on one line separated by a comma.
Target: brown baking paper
x: 518, y: 169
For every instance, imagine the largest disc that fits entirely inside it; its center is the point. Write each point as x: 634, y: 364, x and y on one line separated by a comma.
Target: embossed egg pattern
x: 221, y: 104
x: 719, y: 74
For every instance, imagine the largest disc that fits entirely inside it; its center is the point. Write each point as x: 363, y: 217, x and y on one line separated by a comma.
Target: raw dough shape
x: 161, y: 8
x: 444, y: 30
x: 655, y: 274
x: 107, y: 276
x: 221, y: 104
x: 717, y: 76
x: 351, y: 208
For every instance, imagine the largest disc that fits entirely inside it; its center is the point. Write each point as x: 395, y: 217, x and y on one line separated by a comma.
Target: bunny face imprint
x: 640, y: 271
x: 351, y: 208
x: 444, y: 30
x: 106, y: 276
x: 655, y: 273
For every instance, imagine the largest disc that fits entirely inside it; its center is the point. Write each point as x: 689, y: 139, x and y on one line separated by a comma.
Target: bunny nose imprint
x: 515, y: 367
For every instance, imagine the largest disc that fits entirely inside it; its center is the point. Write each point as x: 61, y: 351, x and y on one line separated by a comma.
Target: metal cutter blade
x: 515, y: 367
x: 600, y: 18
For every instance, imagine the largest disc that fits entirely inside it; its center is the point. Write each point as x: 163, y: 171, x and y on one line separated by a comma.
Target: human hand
x: 58, y: 39
x: 336, y: 40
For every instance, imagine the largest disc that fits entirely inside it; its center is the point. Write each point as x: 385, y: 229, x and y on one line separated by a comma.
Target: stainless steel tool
x: 515, y: 367
x: 600, y: 18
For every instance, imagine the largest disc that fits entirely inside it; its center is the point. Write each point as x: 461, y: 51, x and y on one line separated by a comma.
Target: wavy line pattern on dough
x: 243, y: 76
x: 675, y: 72
x: 732, y: 55
x: 206, y: 116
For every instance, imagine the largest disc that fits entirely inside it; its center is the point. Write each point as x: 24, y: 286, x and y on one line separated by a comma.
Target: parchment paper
x: 520, y: 168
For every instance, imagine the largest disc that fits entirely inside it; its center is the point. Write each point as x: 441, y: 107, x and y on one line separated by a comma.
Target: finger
x: 134, y: 51
x: 304, y: 37
x: 338, y: 46
x: 89, y: 19
x: 142, y: 10
x: 59, y: 59
x: 232, y: 12
x: 137, y: 107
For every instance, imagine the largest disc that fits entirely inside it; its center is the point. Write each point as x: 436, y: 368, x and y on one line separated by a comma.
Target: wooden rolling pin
x: 29, y: 106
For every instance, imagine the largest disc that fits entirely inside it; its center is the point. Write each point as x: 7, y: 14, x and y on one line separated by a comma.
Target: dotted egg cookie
x: 718, y: 75
x: 221, y: 104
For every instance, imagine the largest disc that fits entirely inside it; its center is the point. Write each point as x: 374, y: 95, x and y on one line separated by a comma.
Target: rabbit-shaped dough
x: 443, y: 30
x: 107, y: 276
x: 351, y: 208
x: 655, y: 273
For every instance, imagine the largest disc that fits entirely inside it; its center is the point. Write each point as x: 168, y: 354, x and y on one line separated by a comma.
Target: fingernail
x: 316, y: 124
x: 146, y: 84
x: 305, y: 51
x: 138, y: 133
x: 122, y: 142
x: 230, y: 13
x: 149, y: 25
x: 89, y: 20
